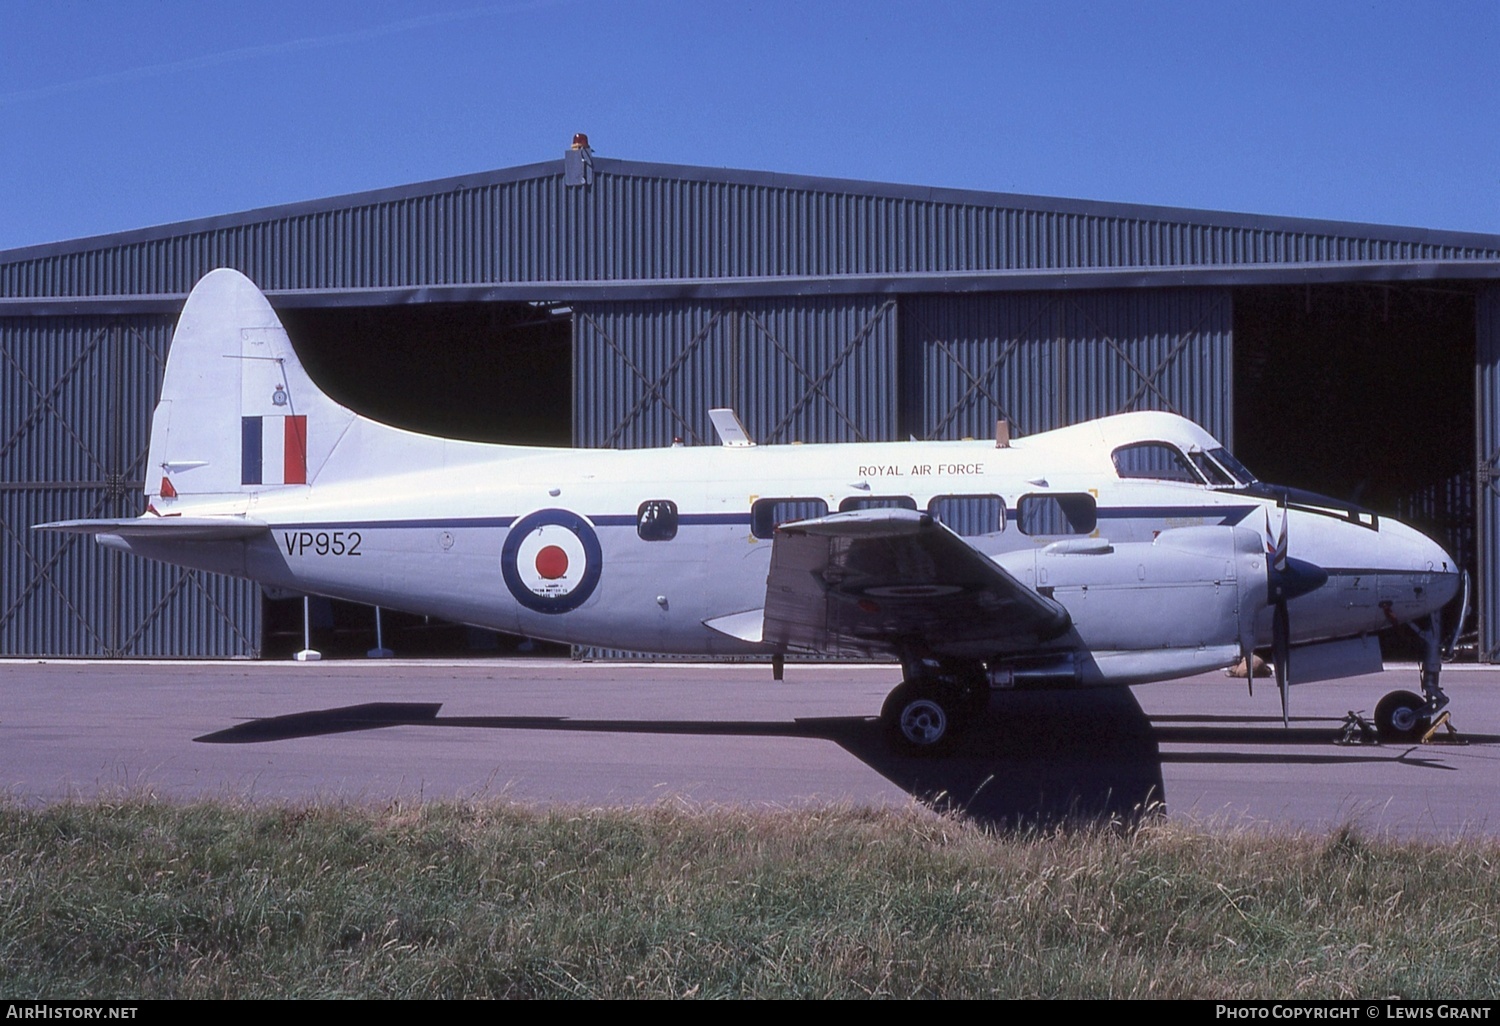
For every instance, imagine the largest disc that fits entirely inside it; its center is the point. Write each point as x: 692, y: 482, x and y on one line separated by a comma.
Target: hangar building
x: 600, y: 302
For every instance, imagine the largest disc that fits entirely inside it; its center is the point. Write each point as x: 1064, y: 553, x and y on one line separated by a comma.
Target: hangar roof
x: 654, y: 231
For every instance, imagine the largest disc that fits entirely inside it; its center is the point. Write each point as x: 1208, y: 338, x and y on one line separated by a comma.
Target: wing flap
x: 890, y: 580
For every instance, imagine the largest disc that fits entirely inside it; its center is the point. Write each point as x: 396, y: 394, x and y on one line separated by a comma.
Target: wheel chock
x: 1452, y: 737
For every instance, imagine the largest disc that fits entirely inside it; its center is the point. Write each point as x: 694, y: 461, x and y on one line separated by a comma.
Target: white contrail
x: 249, y: 52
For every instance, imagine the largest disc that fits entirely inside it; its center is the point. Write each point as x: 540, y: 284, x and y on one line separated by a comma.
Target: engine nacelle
x: 1187, y: 600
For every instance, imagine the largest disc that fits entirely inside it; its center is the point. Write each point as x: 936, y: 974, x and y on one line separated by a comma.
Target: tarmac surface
x: 549, y: 731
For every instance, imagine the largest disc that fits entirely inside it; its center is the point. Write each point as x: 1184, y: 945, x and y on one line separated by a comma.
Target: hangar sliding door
x: 1048, y: 359
x: 76, y: 395
x: 808, y: 369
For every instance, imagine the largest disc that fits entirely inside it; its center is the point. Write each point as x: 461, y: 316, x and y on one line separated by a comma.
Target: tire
x: 1399, y: 716
x: 921, y: 721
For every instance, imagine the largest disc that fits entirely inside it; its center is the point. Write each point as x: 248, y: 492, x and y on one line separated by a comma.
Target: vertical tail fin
x: 237, y: 411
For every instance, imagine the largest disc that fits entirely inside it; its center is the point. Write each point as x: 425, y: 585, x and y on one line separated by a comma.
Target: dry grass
x: 144, y: 899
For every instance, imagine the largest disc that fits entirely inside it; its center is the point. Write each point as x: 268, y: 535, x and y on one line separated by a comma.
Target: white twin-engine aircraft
x: 1129, y: 549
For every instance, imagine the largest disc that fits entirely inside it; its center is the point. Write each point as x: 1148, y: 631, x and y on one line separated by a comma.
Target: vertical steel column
x: 1487, y: 476
x: 114, y: 484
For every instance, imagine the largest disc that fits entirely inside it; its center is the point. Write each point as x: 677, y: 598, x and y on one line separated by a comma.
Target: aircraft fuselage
x: 435, y: 541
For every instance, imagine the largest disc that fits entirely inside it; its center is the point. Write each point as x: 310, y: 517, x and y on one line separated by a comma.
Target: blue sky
x: 122, y: 115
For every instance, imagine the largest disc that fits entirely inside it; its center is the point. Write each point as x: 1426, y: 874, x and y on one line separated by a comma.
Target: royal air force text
x: 921, y: 470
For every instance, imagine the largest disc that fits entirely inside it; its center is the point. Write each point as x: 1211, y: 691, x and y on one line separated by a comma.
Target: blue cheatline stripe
x: 696, y: 519
x: 1229, y: 514
x: 366, y: 525
x: 606, y: 520
x: 250, y: 450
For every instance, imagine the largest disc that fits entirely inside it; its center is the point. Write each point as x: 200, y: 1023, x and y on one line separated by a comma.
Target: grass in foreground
x: 145, y: 899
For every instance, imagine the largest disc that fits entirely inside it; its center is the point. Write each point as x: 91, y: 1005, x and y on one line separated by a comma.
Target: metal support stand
x: 379, y: 651
x: 308, y: 654
x: 778, y: 666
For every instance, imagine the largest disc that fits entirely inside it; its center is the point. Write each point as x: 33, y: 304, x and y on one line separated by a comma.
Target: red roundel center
x: 551, y: 563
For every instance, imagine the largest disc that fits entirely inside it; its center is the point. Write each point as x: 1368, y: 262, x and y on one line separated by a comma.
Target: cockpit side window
x: 1236, y: 469
x: 1217, y: 475
x: 1154, y: 461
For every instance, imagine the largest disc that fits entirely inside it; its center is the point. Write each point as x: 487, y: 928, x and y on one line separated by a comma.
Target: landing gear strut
x: 1404, y: 716
x: 933, y: 706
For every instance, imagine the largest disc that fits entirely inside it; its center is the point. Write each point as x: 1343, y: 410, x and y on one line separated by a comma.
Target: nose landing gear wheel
x: 1401, y: 716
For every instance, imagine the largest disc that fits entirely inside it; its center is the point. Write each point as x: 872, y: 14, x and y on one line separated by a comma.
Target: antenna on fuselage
x: 731, y: 432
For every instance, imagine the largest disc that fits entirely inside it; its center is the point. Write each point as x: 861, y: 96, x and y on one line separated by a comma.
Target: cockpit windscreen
x: 1163, y: 461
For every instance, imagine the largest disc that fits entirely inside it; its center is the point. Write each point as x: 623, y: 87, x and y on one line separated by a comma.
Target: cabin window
x: 877, y: 502
x: 656, y: 520
x: 768, y: 514
x: 1155, y: 461
x: 969, y: 516
x: 1048, y: 515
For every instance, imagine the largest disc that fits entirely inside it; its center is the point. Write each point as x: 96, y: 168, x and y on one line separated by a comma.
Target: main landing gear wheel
x: 1401, y: 716
x: 923, y: 720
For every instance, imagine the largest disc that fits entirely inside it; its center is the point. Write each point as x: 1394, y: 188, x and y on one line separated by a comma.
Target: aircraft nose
x: 1419, y: 566
x: 1416, y: 552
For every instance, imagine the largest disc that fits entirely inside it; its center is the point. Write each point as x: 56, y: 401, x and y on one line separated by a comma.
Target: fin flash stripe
x: 273, y: 450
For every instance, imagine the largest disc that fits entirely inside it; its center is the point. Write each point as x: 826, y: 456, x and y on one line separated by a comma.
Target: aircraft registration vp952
x: 1123, y: 550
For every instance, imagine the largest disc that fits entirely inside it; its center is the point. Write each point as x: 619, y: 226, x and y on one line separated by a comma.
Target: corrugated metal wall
x: 1045, y: 360
x: 824, y: 370
x: 798, y: 369
x: 643, y: 221
x: 1487, y: 420
x: 75, y: 412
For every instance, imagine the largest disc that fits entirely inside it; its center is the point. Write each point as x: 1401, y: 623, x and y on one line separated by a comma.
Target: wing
x: 894, y: 580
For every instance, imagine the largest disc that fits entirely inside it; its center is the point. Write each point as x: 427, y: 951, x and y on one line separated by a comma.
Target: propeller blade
x: 1281, y: 651
x: 1286, y: 578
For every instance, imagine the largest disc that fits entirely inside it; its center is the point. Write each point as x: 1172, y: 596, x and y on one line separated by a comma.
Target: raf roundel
x: 551, y: 560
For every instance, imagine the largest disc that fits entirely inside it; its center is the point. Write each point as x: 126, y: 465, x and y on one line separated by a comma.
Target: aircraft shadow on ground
x: 1037, y: 758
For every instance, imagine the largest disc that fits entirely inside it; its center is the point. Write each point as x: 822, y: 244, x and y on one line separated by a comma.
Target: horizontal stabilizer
x: 165, y: 528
